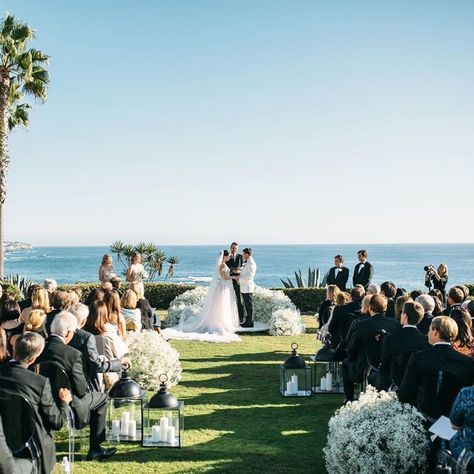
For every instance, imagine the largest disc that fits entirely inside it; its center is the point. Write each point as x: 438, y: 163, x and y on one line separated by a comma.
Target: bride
x: 218, y: 319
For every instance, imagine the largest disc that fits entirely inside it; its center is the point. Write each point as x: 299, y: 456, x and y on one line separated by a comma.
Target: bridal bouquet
x: 378, y: 434
x: 152, y: 356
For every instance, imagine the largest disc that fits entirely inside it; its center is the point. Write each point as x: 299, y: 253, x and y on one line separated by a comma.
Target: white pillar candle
x: 115, y: 427
x: 132, y: 428
x: 289, y: 387
x: 329, y: 381
x: 132, y: 412
x: 124, y: 423
x: 294, y: 379
x: 163, y: 428
x: 155, y: 434
x: 323, y: 383
x: 170, y: 436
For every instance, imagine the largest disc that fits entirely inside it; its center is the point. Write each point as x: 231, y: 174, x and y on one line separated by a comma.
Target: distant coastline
x: 14, y: 245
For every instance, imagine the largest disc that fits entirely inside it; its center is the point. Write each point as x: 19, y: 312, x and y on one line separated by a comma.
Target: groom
x: 247, y: 285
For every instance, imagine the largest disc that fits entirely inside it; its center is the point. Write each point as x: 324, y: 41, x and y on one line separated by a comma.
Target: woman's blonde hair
x: 332, y: 292
x: 35, y: 320
x: 40, y: 299
x: 74, y: 297
x: 106, y: 258
x: 366, y: 304
x: 129, y: 299
x: 137, y: 287
x: 343, y: 298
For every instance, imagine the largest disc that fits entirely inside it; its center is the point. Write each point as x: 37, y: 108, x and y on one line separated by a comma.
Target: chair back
x: 57, y: 376
x: 18, y: 420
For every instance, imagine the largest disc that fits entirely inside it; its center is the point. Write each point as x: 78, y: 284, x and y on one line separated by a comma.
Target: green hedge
x: 307, y: 300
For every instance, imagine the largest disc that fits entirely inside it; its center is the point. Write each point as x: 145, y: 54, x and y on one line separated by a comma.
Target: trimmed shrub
x: 307, y: 300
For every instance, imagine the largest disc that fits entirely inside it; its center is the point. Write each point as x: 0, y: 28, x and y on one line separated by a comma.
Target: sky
x: 269, y: 121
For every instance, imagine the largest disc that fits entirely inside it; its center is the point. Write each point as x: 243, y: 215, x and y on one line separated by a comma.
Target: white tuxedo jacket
x: 247, y: 274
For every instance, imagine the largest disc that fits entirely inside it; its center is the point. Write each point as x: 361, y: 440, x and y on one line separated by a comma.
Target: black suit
x: 148, y: 318
x: 390, y: 312
x: 406, y: 341
x: 423, y: 368
x: 342, y: 318
x: 340, y: 280
x: 85, y: 342
x: 361, y: 349
x: 47, y: 416
x: 234, y: 263
x: 425, y: 323
x: 447, y: 311
x: 363, y: 275
x: 88, y: 407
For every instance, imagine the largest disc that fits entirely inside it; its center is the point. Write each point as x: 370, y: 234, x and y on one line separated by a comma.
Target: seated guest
x: 11, y: 319
x: 130, y: 312
x: 373, y: 289
x: 35, y: 322
x: 88, y: 407
x: 116, y: 283
x: 73, y: 298
x: 61, y: 302
x: 415, y: 293
x: 149, y: 319
x: 39, y: 300
x: 462, y: 420
x: 465, y: 291
x: 470, y: 308
x: 406, y: 341
x: 26, y: 303
x: 439, y: 308
x: 4, y: 352
x: 50, y: 286
x: 463, y: 342
x: 455, y: 298
x: 338, y: 275
x: 428, y: 304
x: 363, y: 345
x: 328, y: 305
x: 388, y: 289
x: 47, y: 416
x: 85, y: 342
x: 422, y: 374
x: 399, y: 302
x: 343, y: 315
x: 97, y: 294
x: 112, y: 300
x: 434, y: 292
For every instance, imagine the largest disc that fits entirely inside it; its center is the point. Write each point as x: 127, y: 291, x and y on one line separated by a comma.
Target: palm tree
x: 22, y: 75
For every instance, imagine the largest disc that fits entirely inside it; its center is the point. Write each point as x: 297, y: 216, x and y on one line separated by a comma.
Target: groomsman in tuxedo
x: 338, y: 275
x: 234, y: 264
x: 363, y: 271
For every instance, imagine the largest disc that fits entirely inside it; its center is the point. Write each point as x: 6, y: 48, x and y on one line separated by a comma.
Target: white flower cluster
x: 271, y: 307
x: 378, y: 434
x: 152, y: 356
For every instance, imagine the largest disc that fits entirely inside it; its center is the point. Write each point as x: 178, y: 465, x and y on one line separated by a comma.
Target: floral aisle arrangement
x: 378, y: 434
x: 152, y: 356
x: 271, y: 307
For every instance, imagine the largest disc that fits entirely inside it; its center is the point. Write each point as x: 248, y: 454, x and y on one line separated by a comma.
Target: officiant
x: 234, y: 264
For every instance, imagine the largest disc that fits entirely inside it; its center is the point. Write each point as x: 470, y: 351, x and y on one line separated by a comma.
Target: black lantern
x: 295, y: 376
x: 163, y: 419
x: 125, y: 411
x: 327, y: 371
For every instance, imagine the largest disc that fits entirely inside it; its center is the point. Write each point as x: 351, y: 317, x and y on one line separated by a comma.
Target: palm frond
x: 19, y: 116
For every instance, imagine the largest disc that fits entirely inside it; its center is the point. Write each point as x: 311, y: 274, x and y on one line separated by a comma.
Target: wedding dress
x: 218, y: 319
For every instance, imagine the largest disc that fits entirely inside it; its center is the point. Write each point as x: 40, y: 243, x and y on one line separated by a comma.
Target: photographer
x: 437, y: 279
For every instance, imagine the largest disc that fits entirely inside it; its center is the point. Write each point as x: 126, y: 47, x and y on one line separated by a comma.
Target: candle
x: 329, y: 381
x: 155, y: 434
x: 132, y: 412
x: 163, y: 428
x: 132, y: 428
x: 124, y: 423
x: 323, y: 383
x: 170, y: 435
x: 115, y: 427
x: 289, y: 387
x: 294, y: 380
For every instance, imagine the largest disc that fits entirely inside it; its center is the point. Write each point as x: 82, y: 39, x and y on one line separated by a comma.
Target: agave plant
x: 314, y: 276
x: 22, y: 283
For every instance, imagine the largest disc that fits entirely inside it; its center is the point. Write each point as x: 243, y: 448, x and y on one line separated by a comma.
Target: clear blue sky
x: 260, y: 121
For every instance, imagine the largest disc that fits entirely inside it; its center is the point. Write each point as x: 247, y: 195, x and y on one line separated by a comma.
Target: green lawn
x: 235, y: 418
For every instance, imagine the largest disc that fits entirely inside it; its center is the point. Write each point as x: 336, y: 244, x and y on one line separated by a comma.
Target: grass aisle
x: 235, y: 418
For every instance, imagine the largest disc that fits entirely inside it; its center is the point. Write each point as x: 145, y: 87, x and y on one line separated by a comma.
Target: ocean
x: 403, y: 264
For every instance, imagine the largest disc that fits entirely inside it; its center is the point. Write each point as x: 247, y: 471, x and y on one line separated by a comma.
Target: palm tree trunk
x: 4, y: 86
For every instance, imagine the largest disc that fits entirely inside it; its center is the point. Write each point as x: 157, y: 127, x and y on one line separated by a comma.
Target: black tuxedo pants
x: 248, y: 302
x: 92, y: 409
x: 240, y: 306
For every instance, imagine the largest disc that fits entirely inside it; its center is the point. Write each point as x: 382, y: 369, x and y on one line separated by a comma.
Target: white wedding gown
x: 218, y: 319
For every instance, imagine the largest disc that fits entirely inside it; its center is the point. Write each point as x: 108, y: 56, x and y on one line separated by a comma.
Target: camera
x: 429, y: 268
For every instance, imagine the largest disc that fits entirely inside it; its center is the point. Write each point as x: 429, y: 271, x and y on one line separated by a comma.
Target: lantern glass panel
x: 124, y: 420
x: 327, y: 377
x: 163, y: 427
x: 295, y: 382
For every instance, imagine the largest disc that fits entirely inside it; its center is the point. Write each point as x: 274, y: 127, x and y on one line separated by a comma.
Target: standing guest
x: 463, y: 342
x: 96, y: 294
x: 422, y: 373
x: 136, y: 270
x: 428, y: 304
x: 338, y: 275
x: 328, y: 305
x: 455, y: 299
x: 47, y: 416
x: 462, y: 420
x: 372, y: 289
x: 247, y: 285
x: 130, y: 312
x: 61, y: 302
x: 406, y: 341
x: 112, y: 300
x: 26, y: 303
x: 39, y: 300
x: 149, y: 318
x: 399, y: 302
x: 389, y: 289
x: 437, y: 279
x: 235, y: 263
x: 363, y: 271
x: 361, y: 347
x: 106, y: 270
